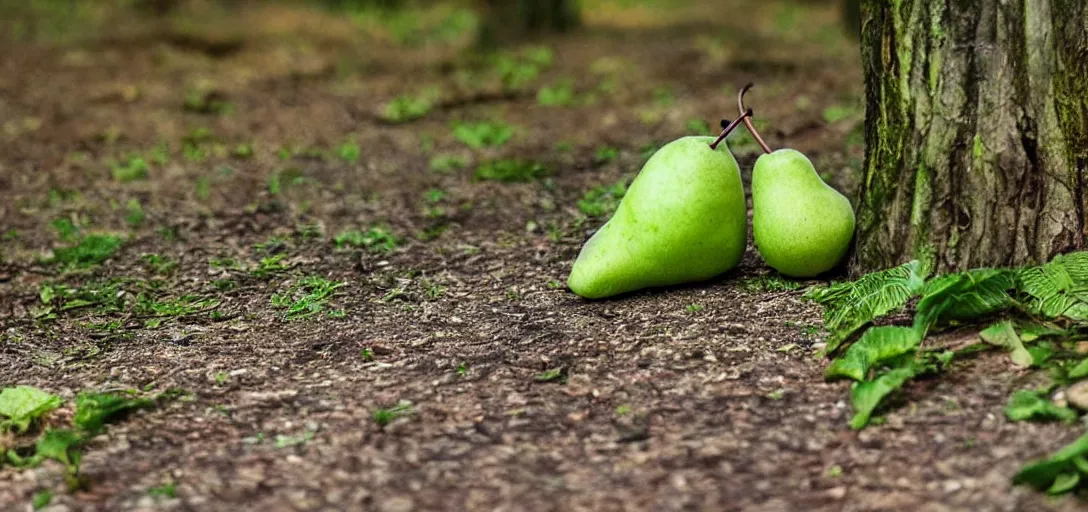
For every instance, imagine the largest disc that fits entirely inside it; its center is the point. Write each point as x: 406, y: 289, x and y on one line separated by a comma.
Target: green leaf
x: 22, y: 405
x: 1064, y: 483
x: 1057, y: 289
x: 877, y: 345
x: 41, y: 499
x: 1079, y: 371
x: 866, y: 396
x: 61, y: 445
x: 1042, y: 474
x: 851, y: 305
x: 963, y: 296
x: 1003, y: 335
x: 93, y: 410
x: 1029, y: 405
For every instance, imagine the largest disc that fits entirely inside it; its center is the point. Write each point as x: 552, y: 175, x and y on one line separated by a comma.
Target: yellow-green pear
x: 682, y: 220
x: 802, y: 227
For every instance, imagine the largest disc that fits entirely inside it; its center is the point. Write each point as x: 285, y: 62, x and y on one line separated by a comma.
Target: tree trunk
x: 976, y: 132
x: 512, y: 20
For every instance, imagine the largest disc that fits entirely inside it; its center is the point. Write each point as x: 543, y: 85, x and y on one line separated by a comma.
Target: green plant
x: 702, y: 214
x: 349, y: 151
x: 130, y: 169
x: 385, y: 416
x: 374, y: 239
x: 165, y: 490
x: 41, y: 499
x: 90, y: 251
x: 206, y: 102
x: 602, y: 200
x: 510, y: 171
x: 698, y: 127
x: 693, y: 308
x: 605, y: 154
x: 483, y: 134
x: 244, y: 150
x: 446, y: 163
x: 406, y: 108
x: 22, y: 405
x: 836, y: 113
x: 134, y: 213
x: 552, y: 375
x: 560, y: 94
x: 306, y: 298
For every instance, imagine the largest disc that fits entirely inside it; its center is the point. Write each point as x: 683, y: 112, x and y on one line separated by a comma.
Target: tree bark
x: 976, y: 132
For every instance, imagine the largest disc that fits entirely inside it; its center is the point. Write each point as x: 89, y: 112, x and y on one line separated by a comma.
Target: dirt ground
x: 523, y: 396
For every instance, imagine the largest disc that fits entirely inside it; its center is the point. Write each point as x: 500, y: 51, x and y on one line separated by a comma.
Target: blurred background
x: 426, y: 116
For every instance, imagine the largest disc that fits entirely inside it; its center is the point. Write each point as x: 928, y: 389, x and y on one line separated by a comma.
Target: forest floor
x: 244, y: 160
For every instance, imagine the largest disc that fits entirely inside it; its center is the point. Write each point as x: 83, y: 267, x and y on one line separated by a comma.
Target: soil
x: 704, y: 397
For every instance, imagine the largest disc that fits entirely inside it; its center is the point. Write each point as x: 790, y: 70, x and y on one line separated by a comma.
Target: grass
x: 349, y: 151
x: 406, y: 108
x: 605, y: 154
x: 552, y: 375
x: 91, y: 250
x: 769, y: 283
x: 206, y: 102
x: 510, y: 171
x: 560, y: 94
x: 134, y: 213
x: 602, y: 200
x: 444, y: 164
x: 385, y: 416
x: 307, y: 298
x: 164, y: 490
x: 484, y: 134
x: 374, y: 239
x: 132, y: 168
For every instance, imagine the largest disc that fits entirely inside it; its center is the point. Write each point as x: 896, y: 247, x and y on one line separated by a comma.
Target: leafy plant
x: 876, y: 346
x: 374, y: 239
x: 90, y: 251
x: 602, y: 200
x: 349, y: 151
x: 1030, y: 405
x: 131, y: 169
x: 605, y: 154
x: 1061, y: 472
x: 22, y: 405
x: 769, y: 283
x: 94, y: 410
x: 560, y: 94
x: 446, y: 163
x: 511, y: 171
x: 698, y: 127
x: 552, y: 375
x: 306, y: 298
x: 134, y: 213
x: 165, y: 490
x: 849, y: 306
x: 406, y: 108
x: 385, y: 416
x: 483, y: 134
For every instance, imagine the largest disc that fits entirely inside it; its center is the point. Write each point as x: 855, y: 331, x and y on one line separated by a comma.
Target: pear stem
x: 727, y: 128
x: 747, y: 121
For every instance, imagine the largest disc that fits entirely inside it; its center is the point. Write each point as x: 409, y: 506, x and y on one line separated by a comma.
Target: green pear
x: 682, y: 220
x: 802, y: 227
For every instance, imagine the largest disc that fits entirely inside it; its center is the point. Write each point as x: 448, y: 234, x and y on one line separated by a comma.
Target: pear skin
x: 802, y: 227
x: 682, y: 220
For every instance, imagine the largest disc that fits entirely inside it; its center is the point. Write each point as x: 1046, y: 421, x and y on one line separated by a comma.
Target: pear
x: 802, y: 227
x: 682, y: 220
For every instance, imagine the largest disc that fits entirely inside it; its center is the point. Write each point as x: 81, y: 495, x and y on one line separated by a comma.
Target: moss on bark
x: 976, y: 132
